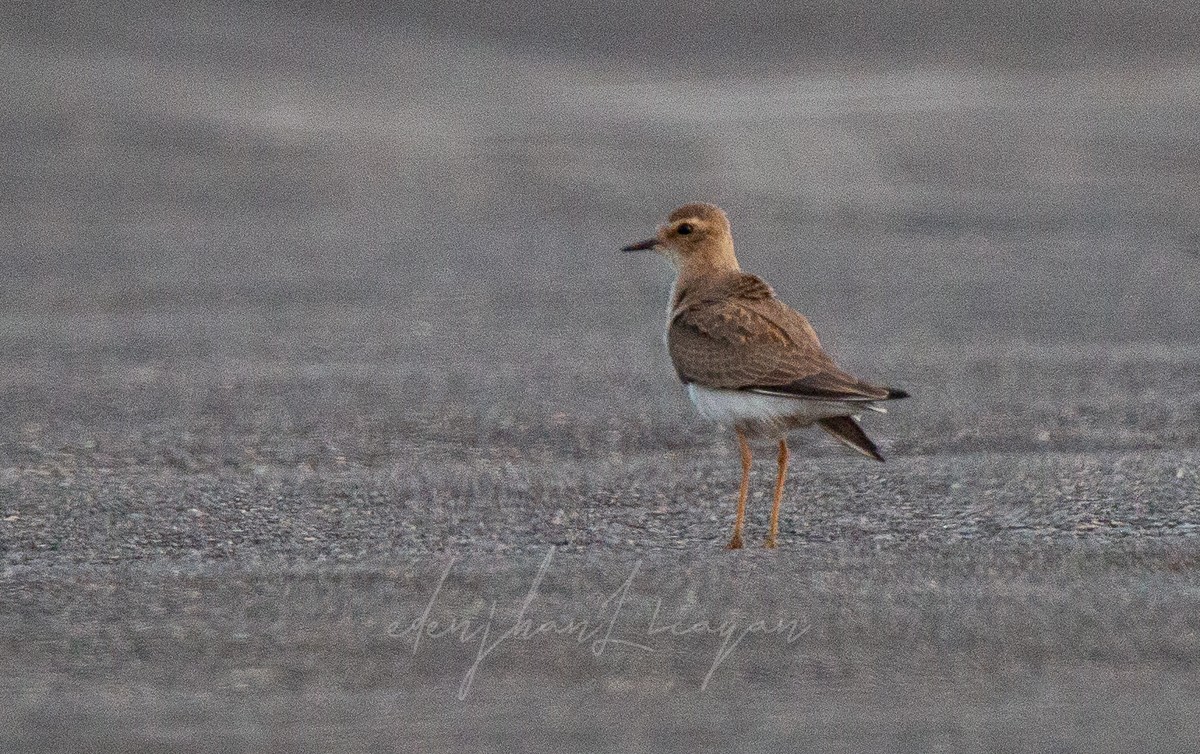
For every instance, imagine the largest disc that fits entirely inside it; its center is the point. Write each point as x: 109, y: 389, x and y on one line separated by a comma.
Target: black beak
x: 646, y: 245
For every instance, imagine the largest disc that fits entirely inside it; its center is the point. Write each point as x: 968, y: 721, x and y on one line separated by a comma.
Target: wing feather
x: 743, y: 338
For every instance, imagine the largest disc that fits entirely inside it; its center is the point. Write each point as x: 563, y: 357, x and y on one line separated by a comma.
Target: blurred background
x: 351, y: 230
x: 299, y: 300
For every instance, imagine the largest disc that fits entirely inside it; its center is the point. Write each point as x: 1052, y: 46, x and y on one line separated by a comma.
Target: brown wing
x: 753, y: 341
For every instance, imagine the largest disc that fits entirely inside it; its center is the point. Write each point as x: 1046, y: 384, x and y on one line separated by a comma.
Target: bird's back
x: 732, y: 332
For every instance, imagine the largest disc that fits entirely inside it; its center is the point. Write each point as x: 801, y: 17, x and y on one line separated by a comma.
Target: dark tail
x: 894, y: 393
x: 847, y: 431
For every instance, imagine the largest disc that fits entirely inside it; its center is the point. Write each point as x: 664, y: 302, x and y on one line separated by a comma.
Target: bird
x: 746, y: 359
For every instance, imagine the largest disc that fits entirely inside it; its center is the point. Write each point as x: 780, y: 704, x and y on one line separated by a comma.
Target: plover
x: 747, y: 359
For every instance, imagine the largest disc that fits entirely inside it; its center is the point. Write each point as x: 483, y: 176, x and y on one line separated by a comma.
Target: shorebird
x: 747, y: 359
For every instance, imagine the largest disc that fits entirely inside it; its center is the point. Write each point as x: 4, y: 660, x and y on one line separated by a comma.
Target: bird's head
x: 695, y: 235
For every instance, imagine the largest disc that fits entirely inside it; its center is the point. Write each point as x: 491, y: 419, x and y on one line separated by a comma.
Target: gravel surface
x: 334, y: 420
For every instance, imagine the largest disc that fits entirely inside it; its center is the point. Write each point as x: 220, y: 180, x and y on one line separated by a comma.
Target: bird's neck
x: 700, y: 271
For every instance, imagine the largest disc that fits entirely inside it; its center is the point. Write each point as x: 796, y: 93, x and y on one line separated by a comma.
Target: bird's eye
x: 684, y: 229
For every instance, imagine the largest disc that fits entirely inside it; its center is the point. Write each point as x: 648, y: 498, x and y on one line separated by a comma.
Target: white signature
x: 598, y: 632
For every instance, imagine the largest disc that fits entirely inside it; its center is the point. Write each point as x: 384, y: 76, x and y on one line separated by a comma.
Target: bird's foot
x: 735, y: 543
x: 770, y: 543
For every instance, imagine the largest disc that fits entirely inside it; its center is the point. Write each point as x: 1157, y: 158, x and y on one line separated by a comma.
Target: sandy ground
x: 336, y: 422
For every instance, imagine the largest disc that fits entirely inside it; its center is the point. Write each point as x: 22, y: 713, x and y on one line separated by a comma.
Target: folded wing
x: 753, y: 341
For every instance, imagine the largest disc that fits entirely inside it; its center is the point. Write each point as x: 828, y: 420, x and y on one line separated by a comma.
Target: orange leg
x: 780, y: 478
x: 735, y: 542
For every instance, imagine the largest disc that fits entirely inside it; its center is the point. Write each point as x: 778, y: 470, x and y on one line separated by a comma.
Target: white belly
x: 762, y: 412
